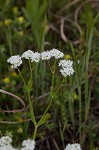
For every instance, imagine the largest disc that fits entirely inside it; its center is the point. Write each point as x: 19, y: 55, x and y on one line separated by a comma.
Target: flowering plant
x: 35, y: 57
x: 6, y: 144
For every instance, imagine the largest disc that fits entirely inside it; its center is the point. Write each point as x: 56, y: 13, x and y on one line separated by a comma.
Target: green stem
x: 59, y: 86
x: 35, y: 132
x: 53, y: 79
x: 31, y: 70
x: 71, y: 110
x: 22, y: 77
x: 52, y: 87
x: 29, y: 99
x: 31, y: 109
x: 50, y: 66
x: 48, y: 106
x: 52, y: 95
x: 43, y: 65
x: 80, y: 104
x: 79, y: 90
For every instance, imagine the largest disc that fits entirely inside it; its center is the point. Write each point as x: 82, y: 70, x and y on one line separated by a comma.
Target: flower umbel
x: 28, y: 145
x: 67, y: 67
x: 27, y: 54
x: 56, y: 53
x: 46, y: 55
x: 5, y: 140
x: 15, y: 61
x: 75, y: 146
x: 67, y: 71
x: 66, y: 63
x: 33, y: 56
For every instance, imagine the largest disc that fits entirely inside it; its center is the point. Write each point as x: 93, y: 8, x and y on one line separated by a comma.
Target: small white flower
x: 15, y: 61
x: 5, y: 143
x: 56, y: 53
x: 35, y: 57
x: 5, y: 140
x: 27, y: 54
x: 67, y: 67
x: 67, y: 71
x: 75, y: 146
x: 65, y: 63
x: 28, y: 144
x: 46, y: 55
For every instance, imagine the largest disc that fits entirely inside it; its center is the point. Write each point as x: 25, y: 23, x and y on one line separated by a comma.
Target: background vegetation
x: 72, y: 27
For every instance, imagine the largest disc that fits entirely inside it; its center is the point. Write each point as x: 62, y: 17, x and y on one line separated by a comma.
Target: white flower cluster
x: 27, y: 54
x: 46, y: 55
x: 5, y: 143
x: 28, y: 145
x: 75, y: 146
x: 5, y: 140
x: 33, y: 56
x: 66, y: 63
x: 15, y: 61
x: 56, y: 53
x: 67, y: 67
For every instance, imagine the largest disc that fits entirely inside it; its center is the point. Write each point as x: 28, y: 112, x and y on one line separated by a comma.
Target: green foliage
x: 35, y: 14
x: 24, y: 25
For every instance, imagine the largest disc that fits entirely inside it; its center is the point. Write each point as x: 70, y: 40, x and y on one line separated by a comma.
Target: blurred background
x: 42, y: 25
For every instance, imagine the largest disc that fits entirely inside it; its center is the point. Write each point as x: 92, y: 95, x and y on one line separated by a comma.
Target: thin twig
x: 68, y: 5
x: 79, y: 8
x: 63, y: 36
x: 14, y: 122
x: 62, y: 19
x: 75, y: 24
x: 19, y: 99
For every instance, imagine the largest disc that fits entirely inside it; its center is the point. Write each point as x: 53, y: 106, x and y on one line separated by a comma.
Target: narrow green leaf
x: 44, y: 119
x: 43, y: 8
x: 61, y: 134
x: 96, y: 18
x: 56, y: 145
